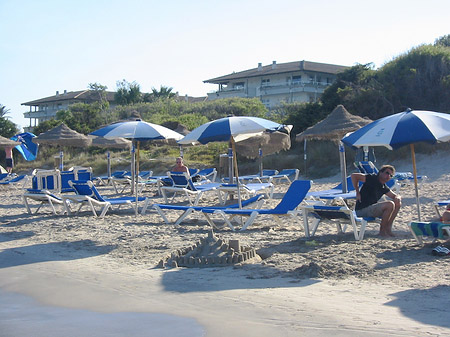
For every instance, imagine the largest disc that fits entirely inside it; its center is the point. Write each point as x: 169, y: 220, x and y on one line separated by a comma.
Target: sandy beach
x: 86, y: 276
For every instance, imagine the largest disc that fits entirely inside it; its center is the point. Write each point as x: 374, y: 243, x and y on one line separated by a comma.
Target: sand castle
x: 210, y: 251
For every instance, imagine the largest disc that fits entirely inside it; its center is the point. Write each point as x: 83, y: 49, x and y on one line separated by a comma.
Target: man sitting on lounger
x: 367, y: 200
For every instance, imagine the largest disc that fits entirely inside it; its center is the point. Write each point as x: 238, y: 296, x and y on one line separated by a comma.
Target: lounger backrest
x: 46, y: 180
x: 193, y: 171
x: 269, y: 172
x: 294, y: 195
x: 86, y: 188
x: 289, y: 172
x: 67, y: 176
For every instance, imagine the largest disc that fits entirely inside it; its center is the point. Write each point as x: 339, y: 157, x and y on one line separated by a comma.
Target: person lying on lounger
x: 445, y: 218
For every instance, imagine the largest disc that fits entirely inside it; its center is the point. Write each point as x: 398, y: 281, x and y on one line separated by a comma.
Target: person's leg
x: 385, y: 211
x: 394, y: 213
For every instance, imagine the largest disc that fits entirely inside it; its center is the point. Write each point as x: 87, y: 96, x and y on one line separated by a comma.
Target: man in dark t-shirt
x: 367, y: 199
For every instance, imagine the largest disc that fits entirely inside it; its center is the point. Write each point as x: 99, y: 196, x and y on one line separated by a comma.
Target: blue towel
x: 429, y: 229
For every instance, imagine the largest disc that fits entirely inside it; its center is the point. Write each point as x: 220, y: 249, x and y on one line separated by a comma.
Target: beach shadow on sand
x: 52, y: 251
x: 186, y: 280
x: 428, y: 306
x: 11, y: 236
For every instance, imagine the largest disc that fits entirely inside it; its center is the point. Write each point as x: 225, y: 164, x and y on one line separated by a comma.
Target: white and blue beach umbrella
x: 224, y: 129
x: 408, y: 127
x: 401, y: 129
x: 231, y: 129
x: 137, y: 131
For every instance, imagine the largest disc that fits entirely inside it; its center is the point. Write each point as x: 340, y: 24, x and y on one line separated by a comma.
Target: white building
x: 44, y: 109
x: 300, y: 81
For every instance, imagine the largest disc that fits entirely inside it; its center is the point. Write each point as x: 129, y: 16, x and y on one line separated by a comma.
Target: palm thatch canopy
x: 64, y: 136
x: 335, y: 126
x: 110, y: 143
x: 268, y: 142
x: 5, y: 142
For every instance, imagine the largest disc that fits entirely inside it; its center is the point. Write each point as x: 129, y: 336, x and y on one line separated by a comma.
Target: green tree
x: 443, y: 41
x: 164, y: 92
x: 45, y: 126
x: 7, y: 128
x: 127, y: 93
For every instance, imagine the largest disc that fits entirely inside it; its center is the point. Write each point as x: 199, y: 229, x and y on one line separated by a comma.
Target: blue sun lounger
x: 286, y: 207
x: 187, y: 210
x: 87, y: 194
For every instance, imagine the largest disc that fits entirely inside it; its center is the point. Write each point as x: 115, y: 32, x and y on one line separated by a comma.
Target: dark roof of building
x: 278, y: 68
x: 82, y: 95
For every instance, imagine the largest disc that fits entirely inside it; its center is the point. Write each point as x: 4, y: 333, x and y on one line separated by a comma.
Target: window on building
x: 296, y: 79
x: 239, y: 86
x: 265, y: 82
x: 311, y: 79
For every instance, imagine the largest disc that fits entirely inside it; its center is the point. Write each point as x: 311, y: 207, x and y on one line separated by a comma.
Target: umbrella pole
x: 260, y: 162
x: 343, y: 167
x: 133, y: 166
x: 413, y: 156
x: 108, y: 164
x: 237, y: 173
x: 61, y: 157
x: 304, y: 155
x: 137, y: 177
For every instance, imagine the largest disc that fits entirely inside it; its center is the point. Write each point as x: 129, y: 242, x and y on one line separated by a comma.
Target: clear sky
x: 48, y: 45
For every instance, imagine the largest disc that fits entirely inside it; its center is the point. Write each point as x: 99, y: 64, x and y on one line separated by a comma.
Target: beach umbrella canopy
x: 404, y: 128
x: 62, y: 135
x: 5, y: 142
x: 110, y: 143
x: 335, y: 126
x: 228, y: 128
x: 27, y: 148
x: 137, y: 131
x: 265, y: 144
x: 231, y: 129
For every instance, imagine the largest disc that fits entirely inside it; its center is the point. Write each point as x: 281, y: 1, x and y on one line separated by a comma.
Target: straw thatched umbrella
x: 335, y: 126
x: 5, y: 142
x: 62, y: 135
x: 110, y: 143
x: 264, y: 145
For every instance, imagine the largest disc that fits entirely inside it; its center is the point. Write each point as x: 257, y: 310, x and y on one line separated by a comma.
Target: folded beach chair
x: 49, y: 180
x: 44, y: 197
x: 292, y: 198
x: 321, y: 211
x: 82, y: 172
x: 66, y: 177
x: 435, y: 230
x: 288, y: 175
x: 187, y: 210
x: 183, y: 184
x: 87, y: 194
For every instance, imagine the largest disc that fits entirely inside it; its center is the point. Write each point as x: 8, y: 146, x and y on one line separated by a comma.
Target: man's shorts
x: 374, y: 211
x: 9, y: 162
